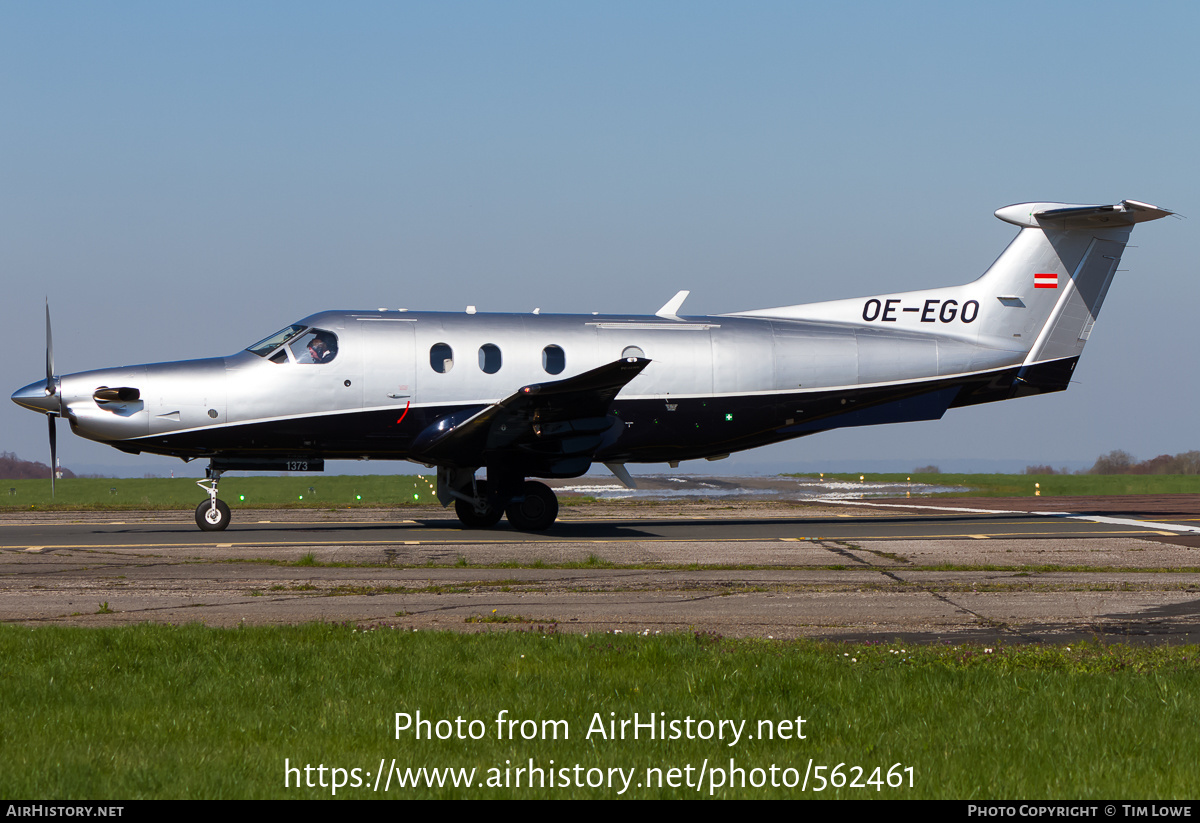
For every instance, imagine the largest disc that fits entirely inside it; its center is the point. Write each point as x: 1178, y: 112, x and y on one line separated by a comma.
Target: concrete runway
x: 766, y: 569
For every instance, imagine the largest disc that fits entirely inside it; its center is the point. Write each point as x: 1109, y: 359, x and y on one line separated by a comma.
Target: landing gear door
x: 388, y: 374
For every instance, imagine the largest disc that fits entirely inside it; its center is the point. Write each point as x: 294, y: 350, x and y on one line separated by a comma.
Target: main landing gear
x: 212, y: 515
x: 530, y: 506
x: 478, y: 513
x: 536, y: 510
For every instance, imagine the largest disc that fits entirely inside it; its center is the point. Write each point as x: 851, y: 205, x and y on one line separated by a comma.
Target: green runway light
x: 729, y: 417
x: 358, y: 497
x: 242, y: 498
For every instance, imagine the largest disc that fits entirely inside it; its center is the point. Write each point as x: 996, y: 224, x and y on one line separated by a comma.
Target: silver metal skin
x: 547, y: 395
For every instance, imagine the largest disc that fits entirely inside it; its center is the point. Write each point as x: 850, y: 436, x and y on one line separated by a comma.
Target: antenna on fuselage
x: 670, y: 311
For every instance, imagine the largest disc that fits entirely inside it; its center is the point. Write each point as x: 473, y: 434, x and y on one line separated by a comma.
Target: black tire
x: 210, y: 521
x: 537, y: 512
x: 472, y: 519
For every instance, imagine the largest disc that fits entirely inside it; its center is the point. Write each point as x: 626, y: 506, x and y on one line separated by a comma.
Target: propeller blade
x: 53, y: 452
x: 49, y: 351
x: 51, y: 388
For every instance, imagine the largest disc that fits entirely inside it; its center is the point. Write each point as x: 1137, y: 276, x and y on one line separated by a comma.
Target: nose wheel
x: 212, y: 515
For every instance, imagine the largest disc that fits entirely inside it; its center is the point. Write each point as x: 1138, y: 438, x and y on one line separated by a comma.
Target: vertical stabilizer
x: 1038, y: 301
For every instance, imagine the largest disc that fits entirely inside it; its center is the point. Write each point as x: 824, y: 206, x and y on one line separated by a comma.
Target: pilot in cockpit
x: 322, y: 348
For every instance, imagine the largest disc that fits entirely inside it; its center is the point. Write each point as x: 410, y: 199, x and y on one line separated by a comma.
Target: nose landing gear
x: 212, y: 515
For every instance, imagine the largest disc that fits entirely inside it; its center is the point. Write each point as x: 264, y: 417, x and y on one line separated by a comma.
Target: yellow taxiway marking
x: 979, y: 536
x: 34, y: 549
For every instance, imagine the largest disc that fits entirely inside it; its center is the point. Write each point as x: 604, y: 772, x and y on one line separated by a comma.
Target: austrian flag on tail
x: 1045, y: 280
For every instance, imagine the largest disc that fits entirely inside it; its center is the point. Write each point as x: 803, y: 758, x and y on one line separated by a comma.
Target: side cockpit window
x: 315, y: 346
x: 298, y: 344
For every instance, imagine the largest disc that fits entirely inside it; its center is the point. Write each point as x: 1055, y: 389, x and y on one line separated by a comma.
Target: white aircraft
x: 535, y: 395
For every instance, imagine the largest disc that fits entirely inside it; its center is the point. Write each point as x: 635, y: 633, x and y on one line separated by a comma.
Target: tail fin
x: 1082, y: 247
x: 1038, y: 301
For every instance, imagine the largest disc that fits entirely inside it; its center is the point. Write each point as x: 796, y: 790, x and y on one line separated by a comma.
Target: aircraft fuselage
x: 715, y: 385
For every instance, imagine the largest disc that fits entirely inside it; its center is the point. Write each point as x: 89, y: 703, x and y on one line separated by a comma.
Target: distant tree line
x: 14, y: 468
x: 1046, y: 470
x: 1122, y: 462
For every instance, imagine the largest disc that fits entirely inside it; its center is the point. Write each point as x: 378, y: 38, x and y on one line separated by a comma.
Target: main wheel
x: 474, y: 519
x: 537, y: 512
x: 210, y: 519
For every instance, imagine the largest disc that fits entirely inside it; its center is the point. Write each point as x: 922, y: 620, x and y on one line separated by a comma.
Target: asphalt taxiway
x: 904, y: 568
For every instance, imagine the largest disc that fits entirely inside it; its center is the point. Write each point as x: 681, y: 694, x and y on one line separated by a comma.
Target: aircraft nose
x: 38, y: 397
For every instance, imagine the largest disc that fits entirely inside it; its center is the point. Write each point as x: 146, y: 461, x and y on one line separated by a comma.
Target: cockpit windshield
x: 264, y: 347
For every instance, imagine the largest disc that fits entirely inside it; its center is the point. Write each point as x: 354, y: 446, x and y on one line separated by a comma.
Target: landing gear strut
x: 212, y: 515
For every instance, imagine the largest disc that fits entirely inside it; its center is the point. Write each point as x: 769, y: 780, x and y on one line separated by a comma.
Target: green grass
x: 496, y: 617
x: 349, y: 491
x: 297, y: 491
x: 191, y: 712
x: 1051, y: 485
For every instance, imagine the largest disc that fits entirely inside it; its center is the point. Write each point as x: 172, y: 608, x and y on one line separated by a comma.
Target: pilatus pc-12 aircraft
x: 534, y: 395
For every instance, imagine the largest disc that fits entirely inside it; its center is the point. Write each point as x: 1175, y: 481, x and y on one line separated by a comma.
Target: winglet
x: 671, y: 309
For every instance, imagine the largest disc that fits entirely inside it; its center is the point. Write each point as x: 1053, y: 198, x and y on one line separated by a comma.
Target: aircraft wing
x: 551, y: 429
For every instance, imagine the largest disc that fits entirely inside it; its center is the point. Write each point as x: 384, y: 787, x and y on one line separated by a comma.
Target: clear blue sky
x: 183, y: 179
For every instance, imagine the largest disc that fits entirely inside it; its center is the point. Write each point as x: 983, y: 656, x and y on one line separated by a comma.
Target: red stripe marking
x: 406, y: 405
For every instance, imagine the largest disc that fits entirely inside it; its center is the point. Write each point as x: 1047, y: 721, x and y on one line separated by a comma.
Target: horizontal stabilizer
x: 1065, y: 216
